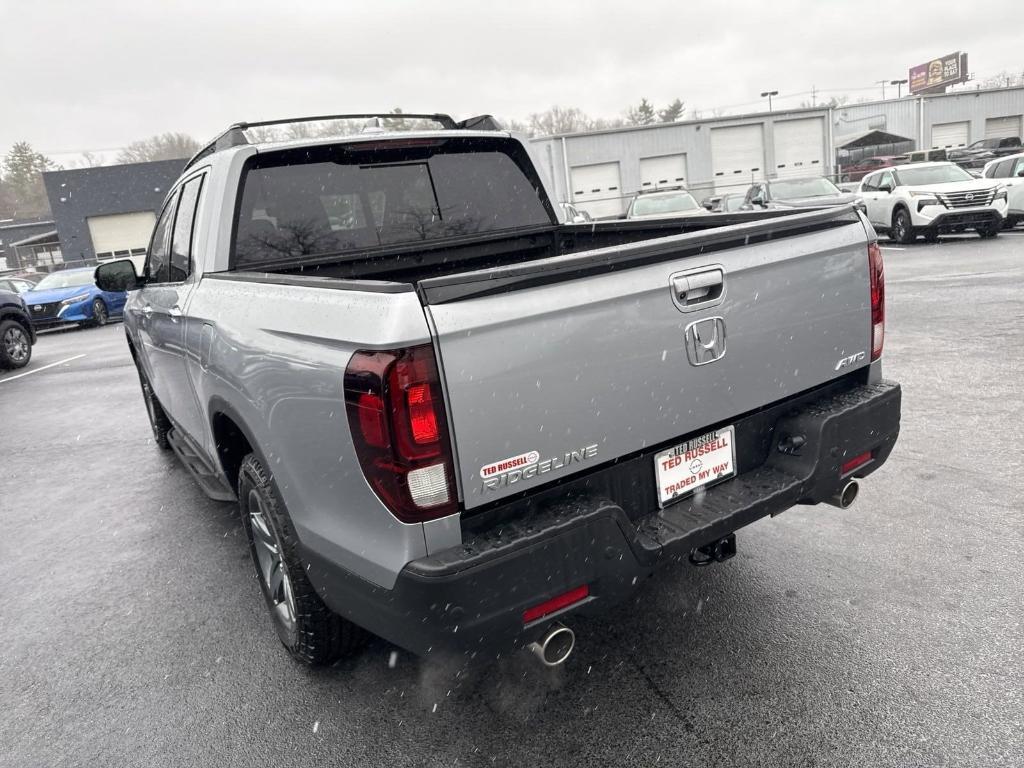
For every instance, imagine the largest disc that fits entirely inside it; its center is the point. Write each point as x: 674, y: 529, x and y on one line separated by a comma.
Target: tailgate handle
x: 694, y: 290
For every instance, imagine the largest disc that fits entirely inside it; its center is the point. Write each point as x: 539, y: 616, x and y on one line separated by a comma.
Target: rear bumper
x: 471, y: 598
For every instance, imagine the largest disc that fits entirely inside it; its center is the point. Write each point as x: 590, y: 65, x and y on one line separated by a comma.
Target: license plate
x: 682, y: 469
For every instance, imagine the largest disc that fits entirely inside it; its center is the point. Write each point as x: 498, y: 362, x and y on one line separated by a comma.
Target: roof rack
x: 234, y: 136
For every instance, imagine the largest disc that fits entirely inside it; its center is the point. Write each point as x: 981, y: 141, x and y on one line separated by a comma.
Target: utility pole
x: 814, y: 91
x: 769, y: 94
x: 882, y: 83
x: 899, y: 86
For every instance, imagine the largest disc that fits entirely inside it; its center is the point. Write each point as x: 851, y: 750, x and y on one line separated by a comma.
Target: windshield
x: 932, y: 174
x: 663, y: 204
x: 68, y: 279
x: 790, y: 189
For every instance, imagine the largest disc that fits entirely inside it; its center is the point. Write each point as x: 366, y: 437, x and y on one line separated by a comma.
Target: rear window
x: 298, y: 205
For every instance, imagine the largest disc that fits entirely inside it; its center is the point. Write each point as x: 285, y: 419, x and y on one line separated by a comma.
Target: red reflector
x: 421, y: 414
x: 876, y: 271
x: 856, y: 461
x: 555, y: 604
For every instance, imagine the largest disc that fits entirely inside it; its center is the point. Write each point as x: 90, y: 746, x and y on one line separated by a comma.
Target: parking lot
x: 889, y: 634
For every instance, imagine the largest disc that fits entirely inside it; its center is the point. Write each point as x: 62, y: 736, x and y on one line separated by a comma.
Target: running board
x: 206, y: 479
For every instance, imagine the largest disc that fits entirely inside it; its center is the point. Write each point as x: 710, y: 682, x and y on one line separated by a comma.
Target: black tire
x: 100, y: 316
x: 931, y: 235
x: 307, y: 628
x: 1011, y: 222
x: 158, y: 420
x: 989, y: 231
x: 902, y: 229
x: 15, y: 345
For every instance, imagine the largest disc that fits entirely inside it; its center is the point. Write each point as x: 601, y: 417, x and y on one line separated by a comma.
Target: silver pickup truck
x: 453, y: 421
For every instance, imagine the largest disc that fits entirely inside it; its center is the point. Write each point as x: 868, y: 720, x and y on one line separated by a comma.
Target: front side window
x: 351, y: 197
x: 869, y: 184
x: 158, y: 264
x: 887, y: 180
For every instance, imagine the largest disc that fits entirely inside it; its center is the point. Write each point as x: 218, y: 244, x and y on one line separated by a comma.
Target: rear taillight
x: 877, y: 273
x: 396, y: 414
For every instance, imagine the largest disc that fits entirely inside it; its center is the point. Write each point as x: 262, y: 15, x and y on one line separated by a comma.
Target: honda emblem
x: 705, y: 340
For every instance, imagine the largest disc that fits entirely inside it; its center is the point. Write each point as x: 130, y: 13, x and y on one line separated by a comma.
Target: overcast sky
x: 98, y: 74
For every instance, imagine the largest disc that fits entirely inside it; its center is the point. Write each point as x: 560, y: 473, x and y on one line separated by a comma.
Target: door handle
x: 699, y: 288
x: 174, y: 311
x: 147, y: 310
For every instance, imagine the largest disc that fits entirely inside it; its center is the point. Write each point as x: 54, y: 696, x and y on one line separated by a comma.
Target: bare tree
x: 164, y: 146
x: 1004, y: 79
x: 560, y: 120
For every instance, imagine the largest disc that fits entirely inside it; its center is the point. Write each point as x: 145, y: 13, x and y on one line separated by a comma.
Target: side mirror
x: 887, y: 188
x: 1020, y: 173
x: 116, y: 276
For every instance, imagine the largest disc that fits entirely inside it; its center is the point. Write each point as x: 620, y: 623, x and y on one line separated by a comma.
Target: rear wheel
x: 15, y: 345
x: 158, y: 420
x: 311, y: 632
x: 902, y: 230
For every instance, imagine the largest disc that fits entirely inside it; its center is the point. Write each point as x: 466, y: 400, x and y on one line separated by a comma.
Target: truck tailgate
x: 578, y: 360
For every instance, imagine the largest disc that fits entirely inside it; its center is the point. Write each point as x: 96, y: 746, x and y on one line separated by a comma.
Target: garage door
x: 800, y: 147
x: 1002, y: 127
x: 664, y: 171
x: 949, y: 135
x: 121, y: 232
x: 597, y: 189
x: 737, y: 156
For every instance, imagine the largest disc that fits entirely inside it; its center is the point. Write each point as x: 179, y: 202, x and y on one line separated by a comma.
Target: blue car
x: 71, y: 296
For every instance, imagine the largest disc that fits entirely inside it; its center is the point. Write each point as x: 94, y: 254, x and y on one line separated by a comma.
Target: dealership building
x: 600, y: 171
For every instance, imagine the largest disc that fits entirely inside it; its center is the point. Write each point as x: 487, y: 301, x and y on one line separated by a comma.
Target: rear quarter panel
x: 276, y: 355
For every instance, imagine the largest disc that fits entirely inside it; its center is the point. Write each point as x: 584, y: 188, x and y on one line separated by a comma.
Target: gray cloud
x: 100, y: 74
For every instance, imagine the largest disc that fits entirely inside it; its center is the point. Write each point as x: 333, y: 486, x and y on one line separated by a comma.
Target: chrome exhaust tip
x: 846, y: 496
x: 555, y: 647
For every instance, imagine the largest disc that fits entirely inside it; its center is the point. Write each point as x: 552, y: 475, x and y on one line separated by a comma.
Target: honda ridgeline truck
x: 453, y: 421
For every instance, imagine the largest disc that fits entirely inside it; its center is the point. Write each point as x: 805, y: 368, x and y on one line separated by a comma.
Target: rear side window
x: 325, y: 201
x: 184, y: 226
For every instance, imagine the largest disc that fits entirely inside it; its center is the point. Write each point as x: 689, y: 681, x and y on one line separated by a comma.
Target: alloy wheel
x: 99, y: 312
x: 16, y: 344
x: 271, y: 567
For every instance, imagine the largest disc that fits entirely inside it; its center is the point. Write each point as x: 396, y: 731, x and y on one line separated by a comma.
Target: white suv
x: 1009, y: 171
x: 931, y: 199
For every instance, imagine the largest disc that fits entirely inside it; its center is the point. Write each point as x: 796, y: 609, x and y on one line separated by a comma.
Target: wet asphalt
x: 132, y: 632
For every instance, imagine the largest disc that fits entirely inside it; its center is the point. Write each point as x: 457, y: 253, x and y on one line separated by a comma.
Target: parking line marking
x: 43, y: 368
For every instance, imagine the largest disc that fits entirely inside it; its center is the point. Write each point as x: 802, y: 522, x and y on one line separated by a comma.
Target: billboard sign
x: 935, y: 75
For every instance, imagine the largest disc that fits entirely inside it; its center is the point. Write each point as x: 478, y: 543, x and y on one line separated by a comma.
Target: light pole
x: 899, y: 86
x: 882, y: 83
x: 769, y: 94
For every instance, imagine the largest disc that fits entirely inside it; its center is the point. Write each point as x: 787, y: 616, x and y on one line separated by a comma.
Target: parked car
x: 16, y: 332
x: 927, y: 156
x: 465, y: 437
x: 931, y: 199
x: 858, y: 170
x: 574, y: 215
x: 71, y: 296
x: 730, y: 202
x: 662, y: 204
x: 709, y: 202
x: 1010, y: 172
x: 975, y: 155
x: 15, y: 284
x: 807, y: 192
